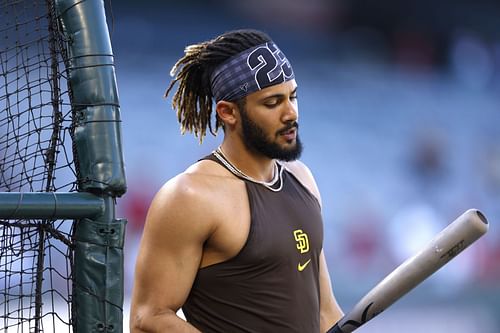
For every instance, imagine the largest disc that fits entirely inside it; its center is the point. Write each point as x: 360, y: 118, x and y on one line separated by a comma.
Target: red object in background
x: 414, y: 50
x: 134, y: 206
x: 364, y: 241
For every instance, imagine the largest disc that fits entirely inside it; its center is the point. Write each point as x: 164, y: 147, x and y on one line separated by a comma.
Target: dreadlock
x: 193, y: 99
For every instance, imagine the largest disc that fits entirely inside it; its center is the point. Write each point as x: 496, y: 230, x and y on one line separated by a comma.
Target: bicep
x: 169, y: 255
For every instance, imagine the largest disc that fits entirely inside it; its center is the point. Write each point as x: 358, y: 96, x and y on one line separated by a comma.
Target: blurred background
x: 400, y: 118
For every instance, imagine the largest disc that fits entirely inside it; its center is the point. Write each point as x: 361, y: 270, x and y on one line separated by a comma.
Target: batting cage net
x: 35, y: 156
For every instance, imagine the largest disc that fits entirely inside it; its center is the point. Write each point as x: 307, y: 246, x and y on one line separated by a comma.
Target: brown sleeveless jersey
x: 272, y: 284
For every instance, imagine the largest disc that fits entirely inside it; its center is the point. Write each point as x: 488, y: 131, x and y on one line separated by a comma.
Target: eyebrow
x: 294, y: 91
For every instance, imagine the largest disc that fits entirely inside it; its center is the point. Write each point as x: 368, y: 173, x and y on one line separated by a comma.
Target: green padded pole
x: 98, y: 258
x: 91, y: 78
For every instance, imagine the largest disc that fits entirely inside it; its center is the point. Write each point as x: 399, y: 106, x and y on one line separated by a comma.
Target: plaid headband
x: 250, y: 71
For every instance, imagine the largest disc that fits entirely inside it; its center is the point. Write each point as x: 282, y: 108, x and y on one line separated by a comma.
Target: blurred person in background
x: 236, y: 240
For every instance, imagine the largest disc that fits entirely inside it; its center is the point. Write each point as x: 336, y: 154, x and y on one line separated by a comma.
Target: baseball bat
x: 448, y: 243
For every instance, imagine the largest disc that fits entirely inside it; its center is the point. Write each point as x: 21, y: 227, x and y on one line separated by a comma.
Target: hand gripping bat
x: 452, y: 240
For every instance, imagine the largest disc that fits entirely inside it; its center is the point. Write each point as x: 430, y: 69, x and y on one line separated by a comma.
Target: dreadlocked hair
x: 193, y: 99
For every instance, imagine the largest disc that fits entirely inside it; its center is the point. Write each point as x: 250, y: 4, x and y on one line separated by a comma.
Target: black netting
x: 35, y: 156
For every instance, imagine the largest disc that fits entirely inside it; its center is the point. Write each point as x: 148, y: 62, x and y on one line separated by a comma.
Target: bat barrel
x: 447, y: 244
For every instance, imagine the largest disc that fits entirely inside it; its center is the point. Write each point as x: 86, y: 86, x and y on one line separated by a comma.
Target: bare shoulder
x: 195, y: 182
x: 304, y: 175
x: 189, y: 198
x: 194, y: 187
x: 299, y: 169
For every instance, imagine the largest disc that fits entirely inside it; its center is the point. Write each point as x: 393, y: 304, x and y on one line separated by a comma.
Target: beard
x: 255, y: 139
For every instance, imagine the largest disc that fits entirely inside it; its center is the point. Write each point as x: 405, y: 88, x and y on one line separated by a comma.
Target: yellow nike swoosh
x: 301, y: 267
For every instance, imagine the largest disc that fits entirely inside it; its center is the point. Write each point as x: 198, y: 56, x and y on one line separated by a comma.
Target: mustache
x: 288, y: 127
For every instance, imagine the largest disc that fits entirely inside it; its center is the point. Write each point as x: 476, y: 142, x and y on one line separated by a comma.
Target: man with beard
x: 237, y: 239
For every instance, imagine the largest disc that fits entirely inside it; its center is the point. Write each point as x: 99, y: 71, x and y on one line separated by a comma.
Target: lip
x: 290, y: 135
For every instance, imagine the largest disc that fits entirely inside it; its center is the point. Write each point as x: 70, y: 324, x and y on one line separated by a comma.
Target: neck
x: 254, y: 165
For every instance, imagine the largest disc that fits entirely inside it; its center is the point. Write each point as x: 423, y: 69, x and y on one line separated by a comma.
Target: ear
x: 227, y: 112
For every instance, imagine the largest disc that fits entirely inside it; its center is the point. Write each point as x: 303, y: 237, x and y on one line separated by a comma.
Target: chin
x: 289, y: 145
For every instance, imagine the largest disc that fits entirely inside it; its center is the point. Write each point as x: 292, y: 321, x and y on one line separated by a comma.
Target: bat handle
x: 335, y: 329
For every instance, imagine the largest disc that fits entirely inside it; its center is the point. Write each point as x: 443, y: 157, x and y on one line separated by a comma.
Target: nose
x: 290, y: 111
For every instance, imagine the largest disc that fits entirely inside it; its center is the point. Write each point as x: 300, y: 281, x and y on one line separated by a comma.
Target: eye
x: 272, y: 103
x: 293, y: 97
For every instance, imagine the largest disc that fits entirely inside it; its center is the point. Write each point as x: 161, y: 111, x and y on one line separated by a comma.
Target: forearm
x: 164, y: 322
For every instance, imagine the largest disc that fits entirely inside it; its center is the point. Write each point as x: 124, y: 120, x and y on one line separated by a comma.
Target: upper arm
x: 170, y: 250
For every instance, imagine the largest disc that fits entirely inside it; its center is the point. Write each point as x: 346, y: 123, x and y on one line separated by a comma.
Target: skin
x: 186, y: 231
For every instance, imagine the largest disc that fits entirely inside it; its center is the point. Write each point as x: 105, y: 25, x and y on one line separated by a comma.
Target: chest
x: 285, y: 226
x: 266, y: 226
